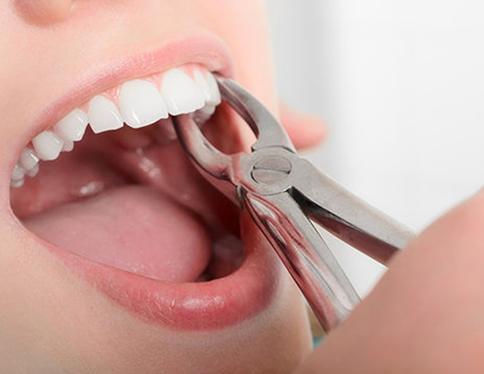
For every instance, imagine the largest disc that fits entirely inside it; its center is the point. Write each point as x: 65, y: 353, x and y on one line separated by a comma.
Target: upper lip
x: 221, y: 302
x: 205, y: 49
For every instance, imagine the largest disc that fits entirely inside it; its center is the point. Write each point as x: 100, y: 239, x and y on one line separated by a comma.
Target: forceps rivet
x: 270, y: 170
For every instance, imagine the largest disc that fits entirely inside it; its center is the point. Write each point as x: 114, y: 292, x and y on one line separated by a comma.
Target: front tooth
x: 47, y: 145
x: 214, y: 91
x: 141, y: 104
x: 103, y: 115
x: 72, y: 126
x: 28, y: 159
x: 180, y: 92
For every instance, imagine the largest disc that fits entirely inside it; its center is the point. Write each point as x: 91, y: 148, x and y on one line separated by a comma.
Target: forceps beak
x: 216, y: 166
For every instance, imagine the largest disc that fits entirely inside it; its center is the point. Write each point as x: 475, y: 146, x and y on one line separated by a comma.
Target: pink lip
x: 186, y: 306
x: 189, y: 306
x: 205, y: 49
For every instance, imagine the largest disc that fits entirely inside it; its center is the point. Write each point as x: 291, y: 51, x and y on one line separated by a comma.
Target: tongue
x: 133, y: 228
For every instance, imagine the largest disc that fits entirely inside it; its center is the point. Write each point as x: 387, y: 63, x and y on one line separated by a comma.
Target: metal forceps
x: 284, y: 195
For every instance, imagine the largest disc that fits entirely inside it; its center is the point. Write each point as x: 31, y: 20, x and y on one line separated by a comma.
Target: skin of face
x: 51, y: 320
x: 425, y: 316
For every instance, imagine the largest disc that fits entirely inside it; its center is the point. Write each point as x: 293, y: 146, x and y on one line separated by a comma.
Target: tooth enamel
x: 103, y: 115
x: 215, y: 98
x: 141, y: 104
x: 180, y: 93
x: 32, y: 172
x: 18, y: 176
x: 28, y: 159
x: 18, y: 173
x: 72, y: 126
x: 202, y: 83
x: 68, y: 146
x: 17, y: 183
x: 47, y: 145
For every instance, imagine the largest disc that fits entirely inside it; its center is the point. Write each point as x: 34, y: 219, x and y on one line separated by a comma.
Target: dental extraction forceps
x: 283, y: 193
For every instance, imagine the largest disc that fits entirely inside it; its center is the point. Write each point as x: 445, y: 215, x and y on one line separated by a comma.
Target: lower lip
x: 188, y: 306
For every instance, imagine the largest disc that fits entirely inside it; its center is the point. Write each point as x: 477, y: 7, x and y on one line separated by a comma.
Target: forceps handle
x: 305, y: 255
x: 285, y: 195
x: 346, y: 216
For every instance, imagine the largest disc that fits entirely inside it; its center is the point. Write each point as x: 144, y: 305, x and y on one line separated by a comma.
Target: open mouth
x: 109, y: 190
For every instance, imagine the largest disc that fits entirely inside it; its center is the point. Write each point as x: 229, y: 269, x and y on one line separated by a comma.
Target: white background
x: 401, y: 84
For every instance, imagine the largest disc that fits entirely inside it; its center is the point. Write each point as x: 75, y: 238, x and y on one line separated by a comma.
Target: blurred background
x: 401, y: 85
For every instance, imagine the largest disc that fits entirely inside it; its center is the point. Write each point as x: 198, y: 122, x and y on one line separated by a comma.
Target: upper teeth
x: 139, y: 103
x: 181, y: 93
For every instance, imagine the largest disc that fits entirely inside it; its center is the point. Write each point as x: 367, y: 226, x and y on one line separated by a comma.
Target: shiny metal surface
x: 285, y: 194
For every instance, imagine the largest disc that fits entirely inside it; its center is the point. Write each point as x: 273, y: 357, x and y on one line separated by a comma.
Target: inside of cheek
x: 131, y: 199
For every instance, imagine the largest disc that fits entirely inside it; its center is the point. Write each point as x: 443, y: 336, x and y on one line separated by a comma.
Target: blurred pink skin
x: 425, y: 316
x: 51, y: 319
